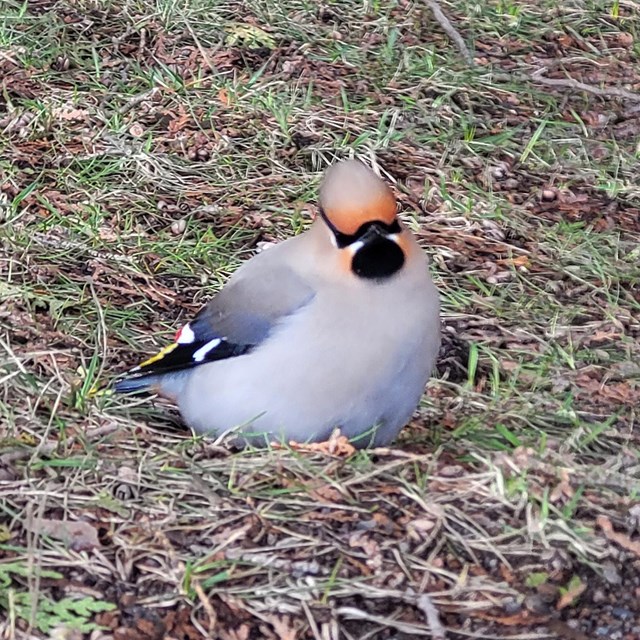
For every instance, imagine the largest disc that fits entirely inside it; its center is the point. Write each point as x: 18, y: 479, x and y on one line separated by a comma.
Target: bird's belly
x: 303, y: 394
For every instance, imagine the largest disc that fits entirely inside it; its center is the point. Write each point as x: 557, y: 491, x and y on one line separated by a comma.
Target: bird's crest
x: 352, y: 195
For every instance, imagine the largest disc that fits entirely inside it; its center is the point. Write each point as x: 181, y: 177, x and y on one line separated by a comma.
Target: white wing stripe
x: 199, y: 355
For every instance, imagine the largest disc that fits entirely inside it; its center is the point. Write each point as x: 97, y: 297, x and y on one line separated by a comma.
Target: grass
x: 147, y: 149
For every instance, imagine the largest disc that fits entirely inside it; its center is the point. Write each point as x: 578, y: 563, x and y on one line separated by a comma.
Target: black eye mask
x: 344, y: 240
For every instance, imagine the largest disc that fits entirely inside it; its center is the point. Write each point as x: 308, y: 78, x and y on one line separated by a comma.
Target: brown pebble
x: 136, y: 129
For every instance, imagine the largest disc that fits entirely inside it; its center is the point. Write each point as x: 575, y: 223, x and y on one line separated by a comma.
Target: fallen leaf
x: 419, y: 528
x: 325, y: 493
x: 370, y: 547
x: 250, y: 36
x: 69, y: 113
x: 239, y: 633
x: 619, y: 538
x: 77, y: 535
x: 604, y: 336
x: 570, y: 593
x: 336, y: 445
x: 178, y: 122
x: 625, y: 39
x: 563, y: 489
x: 519, y: 261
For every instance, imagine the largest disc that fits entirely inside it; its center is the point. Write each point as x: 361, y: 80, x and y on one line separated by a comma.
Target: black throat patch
x: 379, y: 256
x: 378, y: 259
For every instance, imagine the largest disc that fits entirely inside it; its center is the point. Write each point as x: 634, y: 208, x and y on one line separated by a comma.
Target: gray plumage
x: 327, y: 348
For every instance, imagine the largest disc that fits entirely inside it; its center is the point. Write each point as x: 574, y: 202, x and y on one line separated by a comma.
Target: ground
x: 148, y: 148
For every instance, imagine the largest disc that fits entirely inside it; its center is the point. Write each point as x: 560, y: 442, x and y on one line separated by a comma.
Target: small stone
x: 512, y: 606
x: 136, y: 130
x: 500, y: 172
x: 536, y: 604
x: 610, y: 573
x: 264, y: 245
x: 548, y: 592
x: 628, y: 369
x: 548, y: 195
x: 625, y: 39
x: 598, y: 596
x: 61, y: 63
x: 622, y: 613
x: 633, y: 519
x: 178, y: 227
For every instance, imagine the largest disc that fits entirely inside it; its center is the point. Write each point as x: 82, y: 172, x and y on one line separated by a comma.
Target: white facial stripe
x: 186, y: 335
x: 199, y: 355
x: 354, y: 247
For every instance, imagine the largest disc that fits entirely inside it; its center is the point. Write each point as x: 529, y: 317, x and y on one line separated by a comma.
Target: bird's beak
x: 375, y: 232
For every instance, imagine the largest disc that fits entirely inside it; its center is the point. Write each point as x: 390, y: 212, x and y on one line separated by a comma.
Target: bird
x: 336, y: 327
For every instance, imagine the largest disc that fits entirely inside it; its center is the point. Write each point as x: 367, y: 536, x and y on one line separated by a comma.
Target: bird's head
x: 359, y: 210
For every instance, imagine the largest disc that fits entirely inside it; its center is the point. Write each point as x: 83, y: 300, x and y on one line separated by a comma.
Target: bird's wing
x: 238, y: 318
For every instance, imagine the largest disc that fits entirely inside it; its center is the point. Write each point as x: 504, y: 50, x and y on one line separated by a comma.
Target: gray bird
x: 336, y: 327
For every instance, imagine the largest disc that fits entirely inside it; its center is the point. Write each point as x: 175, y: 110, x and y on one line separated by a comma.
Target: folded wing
x: 238, y: 319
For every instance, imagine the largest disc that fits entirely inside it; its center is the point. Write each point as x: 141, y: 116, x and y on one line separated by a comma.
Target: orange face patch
x: 349, y: 217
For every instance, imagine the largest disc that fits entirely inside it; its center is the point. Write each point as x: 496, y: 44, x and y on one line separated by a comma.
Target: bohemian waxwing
x: 336, y: 327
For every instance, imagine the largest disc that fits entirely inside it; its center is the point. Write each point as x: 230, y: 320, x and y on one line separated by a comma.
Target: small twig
x: 351, y: 613
x: 570, y: 83
x: 136, y: 100
x: 207, y: 606
x: 312, y: 622
x: 425, y: 604
x: 201, y: 49
x: 143, y: 41
x: 7, y: 56
x: 450, y: 30
x: 7, y: 347
x: 60, y: 243
x: 129, y: 31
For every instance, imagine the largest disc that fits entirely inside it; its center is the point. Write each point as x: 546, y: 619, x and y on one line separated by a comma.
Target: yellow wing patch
x: 161, y: 354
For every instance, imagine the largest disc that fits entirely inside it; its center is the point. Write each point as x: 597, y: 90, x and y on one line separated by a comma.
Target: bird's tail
x: 168, y: 385
x: 137, y: 384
